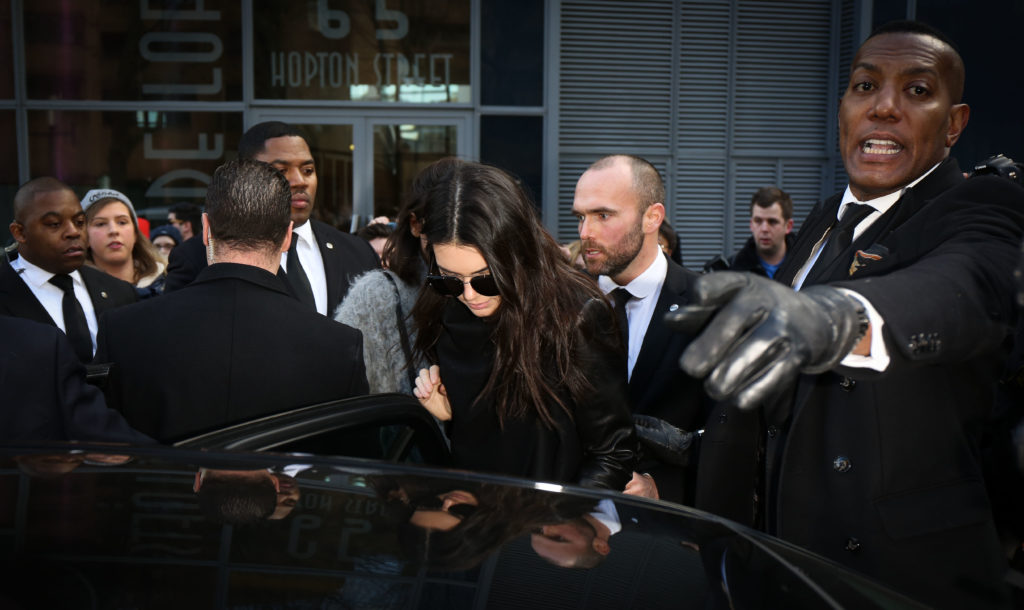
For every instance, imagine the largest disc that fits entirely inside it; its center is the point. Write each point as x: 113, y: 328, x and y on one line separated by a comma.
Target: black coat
x: 746, y: 258
x: 232, y: 346
x: 880, y: 471
x: 596, y: 446
x: 659, y: 388
x: 45, y: 396
x: 345, y: 257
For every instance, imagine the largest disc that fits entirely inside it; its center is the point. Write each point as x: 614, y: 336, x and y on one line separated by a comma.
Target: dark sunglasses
x: 453, y: 286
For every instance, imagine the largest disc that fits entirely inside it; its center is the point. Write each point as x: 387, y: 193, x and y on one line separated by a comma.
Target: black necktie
x: 839, y: 238
x: 77, y: 329
x: 621, y: 296
x: 297, y: 275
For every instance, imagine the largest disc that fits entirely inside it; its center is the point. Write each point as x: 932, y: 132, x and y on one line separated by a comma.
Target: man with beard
x: 619, y: 204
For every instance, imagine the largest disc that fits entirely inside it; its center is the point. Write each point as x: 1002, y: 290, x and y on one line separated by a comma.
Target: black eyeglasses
x: 453, y: 285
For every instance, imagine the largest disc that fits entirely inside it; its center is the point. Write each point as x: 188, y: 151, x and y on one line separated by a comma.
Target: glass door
x: 366, y: 163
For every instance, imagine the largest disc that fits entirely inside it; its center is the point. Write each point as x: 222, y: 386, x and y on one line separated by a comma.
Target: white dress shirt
x: 52, y: 298
x: 645, y: 288
x: 312, y: 263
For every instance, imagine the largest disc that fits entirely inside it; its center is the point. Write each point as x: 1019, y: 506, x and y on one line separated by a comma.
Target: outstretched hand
x: 762, y: 334
x: 431, y: 393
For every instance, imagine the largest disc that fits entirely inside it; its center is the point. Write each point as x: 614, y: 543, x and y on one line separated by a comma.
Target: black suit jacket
x: 345, y: 257
x: 659, y: 388
x: 230, y: 347
x: 45, y: 395
x: 187, y: 259
x: 106, y: 292
x: 880, y: 471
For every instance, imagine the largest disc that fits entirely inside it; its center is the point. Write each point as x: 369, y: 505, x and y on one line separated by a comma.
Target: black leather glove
x: 663, y: 440
x: 762, y: 334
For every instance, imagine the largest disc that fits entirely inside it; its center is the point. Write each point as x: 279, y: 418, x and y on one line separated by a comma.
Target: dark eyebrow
x: 595, y: 211
x: 863, y: 65
x: 450, y: 272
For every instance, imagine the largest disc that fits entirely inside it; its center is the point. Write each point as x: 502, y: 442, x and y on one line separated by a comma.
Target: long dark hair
x: 478, y: 205
x: 403, y: 252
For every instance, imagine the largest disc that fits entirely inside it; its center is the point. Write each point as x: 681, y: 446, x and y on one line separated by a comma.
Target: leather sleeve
x: 603, y: 420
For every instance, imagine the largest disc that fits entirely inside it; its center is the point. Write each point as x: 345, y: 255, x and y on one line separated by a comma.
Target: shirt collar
x: 36, y: 276
x: 883, y: 203
x: 643, y: 285
x: 305, y: 231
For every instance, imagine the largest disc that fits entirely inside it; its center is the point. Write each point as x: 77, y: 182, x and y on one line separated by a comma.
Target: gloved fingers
x: 768, y: 386
x: 758, y: 351
x: 711, y: 292
x: 722, y: 336
x: 717, y: 289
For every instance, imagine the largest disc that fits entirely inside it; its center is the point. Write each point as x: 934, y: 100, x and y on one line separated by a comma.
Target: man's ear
x: 958, y: 116
x: 601, y: 546
x: 654, y: 215
x: 287, y: 243
x: 789, y: 225
x: 206, y: 229
x: 17, y: 231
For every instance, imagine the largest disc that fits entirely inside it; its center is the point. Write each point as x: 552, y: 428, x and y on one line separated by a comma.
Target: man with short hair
x: 619, y: 205
x: 899, y: 328
x: 322, y: 261
x: 327, y: 260
x: 771, y: 220
x: 234, y: 344
x: 48, y: 282
x: 185, y: 217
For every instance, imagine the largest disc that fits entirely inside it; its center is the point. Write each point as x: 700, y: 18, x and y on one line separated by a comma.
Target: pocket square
x: 864, y: 258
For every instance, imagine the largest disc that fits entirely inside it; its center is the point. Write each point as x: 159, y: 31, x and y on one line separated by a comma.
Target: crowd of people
x: 833, y: 388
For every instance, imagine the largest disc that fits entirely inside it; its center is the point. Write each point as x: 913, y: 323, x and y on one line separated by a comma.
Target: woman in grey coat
x: 379, y: 301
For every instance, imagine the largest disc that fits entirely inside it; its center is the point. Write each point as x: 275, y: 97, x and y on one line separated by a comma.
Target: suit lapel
x: 332, y: 270
x: 873, y: 240
x: 657, y: 339
x: 811, y: 232
x: 18, y: 300
x: 96, y: 285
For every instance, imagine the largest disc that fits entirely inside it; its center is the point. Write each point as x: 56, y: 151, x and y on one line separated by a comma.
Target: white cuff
x: 878, y: 360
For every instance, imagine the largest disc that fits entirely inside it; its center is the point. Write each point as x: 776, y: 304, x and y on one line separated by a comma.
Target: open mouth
x: 874, y: 146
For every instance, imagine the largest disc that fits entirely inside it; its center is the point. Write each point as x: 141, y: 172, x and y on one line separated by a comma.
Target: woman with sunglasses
x: 528, y: 365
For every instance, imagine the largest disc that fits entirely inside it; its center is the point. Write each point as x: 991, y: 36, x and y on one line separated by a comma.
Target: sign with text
x: 372, y: 50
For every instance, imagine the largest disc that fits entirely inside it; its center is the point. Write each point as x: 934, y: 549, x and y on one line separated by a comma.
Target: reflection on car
x: 95, y: 526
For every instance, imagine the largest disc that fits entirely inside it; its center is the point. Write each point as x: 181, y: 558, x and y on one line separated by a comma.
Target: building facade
x: 724, y: 96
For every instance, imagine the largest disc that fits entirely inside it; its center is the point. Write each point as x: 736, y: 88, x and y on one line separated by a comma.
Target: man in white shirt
x: 619, y: 204
x: 328, y: 259
x: 47, y: 282
x: 905, y: 302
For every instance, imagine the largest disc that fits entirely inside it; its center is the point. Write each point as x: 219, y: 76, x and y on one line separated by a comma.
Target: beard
x: 616, y: 259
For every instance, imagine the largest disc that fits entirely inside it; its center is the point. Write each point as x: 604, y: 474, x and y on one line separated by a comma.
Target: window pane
x: 512, y: 52
x: 399, y: 153
x: 331, y: 146
x: 6, y: 52
x: 515, y: 144
x: 8, y: 174
x: 389, y: 50
x: 93, y: 50
x: 156, y: 158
